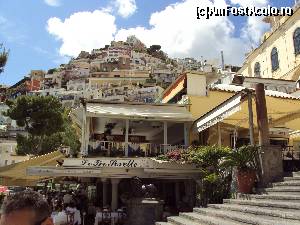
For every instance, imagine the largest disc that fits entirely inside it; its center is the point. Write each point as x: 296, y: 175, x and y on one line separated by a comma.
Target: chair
x: 106, y: 217
x: 121, y: 218
x: 70, y: 218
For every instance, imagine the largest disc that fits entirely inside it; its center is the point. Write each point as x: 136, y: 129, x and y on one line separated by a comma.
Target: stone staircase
x: 279, y: 205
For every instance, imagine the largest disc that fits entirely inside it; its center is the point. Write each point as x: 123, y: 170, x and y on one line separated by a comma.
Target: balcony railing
x: 117, y: 149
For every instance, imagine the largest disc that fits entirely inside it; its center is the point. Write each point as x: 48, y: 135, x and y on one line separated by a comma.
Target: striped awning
x: 221, y: 112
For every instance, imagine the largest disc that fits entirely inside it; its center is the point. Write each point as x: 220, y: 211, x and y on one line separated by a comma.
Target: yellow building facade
x: 278, y: 55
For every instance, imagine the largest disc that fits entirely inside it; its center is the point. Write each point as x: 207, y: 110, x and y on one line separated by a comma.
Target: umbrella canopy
x: 3, y: 189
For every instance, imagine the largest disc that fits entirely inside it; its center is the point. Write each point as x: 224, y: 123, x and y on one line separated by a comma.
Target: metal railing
x: 288, y: 153
x: 117, y: 149
x: 291, y: 159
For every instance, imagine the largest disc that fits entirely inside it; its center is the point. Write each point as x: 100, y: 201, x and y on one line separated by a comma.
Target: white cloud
x: 125, y: 8
x: 175, y: 28
x: 254, y: 30
x: 83, y: 31
x: 254, y: 27
x: 54, y: 3
x: 179, y: 33
x: 247, y: 3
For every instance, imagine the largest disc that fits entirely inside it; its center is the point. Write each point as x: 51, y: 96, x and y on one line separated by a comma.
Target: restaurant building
x: 119, y: 142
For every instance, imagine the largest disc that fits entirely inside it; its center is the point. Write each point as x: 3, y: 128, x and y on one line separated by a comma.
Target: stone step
x: 287, y: 184
x: 178, y: 220
x: 246, y: 217
x: 209, y: 220
x: 163, y: 223
x: 291, y: 214
x: 265, y: 203
x: 283, y: 188
x: 296, y: 174
x: 282, y: 192
x: 278, y: 197
x: 291, y: 178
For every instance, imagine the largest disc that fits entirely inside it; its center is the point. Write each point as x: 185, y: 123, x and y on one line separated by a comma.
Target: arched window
x: 274, y: 59
x: 257, y: 69
x: 297, y: 41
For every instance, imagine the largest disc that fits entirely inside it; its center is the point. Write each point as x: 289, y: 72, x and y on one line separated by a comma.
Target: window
x: 257, y: 69
x: 297, y: 41
x: 274, y: 59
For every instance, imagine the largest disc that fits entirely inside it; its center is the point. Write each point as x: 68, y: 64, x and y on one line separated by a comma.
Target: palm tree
x: 3, y: 57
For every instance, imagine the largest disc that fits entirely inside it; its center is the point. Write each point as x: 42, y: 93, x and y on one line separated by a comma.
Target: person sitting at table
x: 61, y: 217
x: 91, y: 214
x: 98, y: 217
x: 74, y: 213
x: 106, y: 216
x: 121, y: 217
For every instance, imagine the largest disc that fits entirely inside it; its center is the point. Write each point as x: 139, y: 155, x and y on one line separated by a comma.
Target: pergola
x: 240, y: 111
x: 164, y: 113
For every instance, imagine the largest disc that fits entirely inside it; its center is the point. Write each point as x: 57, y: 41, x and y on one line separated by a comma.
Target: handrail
x: 148, y: 149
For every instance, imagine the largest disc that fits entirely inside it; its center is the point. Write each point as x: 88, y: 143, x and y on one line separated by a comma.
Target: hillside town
x: 127, y: 135
x: 121, y: 71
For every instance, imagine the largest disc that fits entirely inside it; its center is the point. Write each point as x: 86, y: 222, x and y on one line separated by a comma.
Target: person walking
x: 25, y: 208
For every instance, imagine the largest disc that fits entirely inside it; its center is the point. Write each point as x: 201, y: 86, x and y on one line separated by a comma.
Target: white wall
x: 196, y: 85
x: 7, y: 153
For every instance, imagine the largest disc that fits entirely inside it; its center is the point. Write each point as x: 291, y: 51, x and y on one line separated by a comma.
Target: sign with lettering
x: 131, y: 163
x: 52, y: 171
x: 106, y: 162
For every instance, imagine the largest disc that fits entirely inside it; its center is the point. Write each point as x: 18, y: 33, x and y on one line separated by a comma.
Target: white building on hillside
x: 8, y: 153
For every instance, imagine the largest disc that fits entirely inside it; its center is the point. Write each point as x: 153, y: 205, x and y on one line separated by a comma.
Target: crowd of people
x: 56, y: 208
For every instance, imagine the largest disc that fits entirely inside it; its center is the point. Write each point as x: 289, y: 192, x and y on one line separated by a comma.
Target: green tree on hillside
x: 3, y: 57
x: 46, y: 122
x: 155, y: 51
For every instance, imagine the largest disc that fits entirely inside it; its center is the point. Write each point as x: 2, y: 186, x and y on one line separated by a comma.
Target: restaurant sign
x: 105, y: 162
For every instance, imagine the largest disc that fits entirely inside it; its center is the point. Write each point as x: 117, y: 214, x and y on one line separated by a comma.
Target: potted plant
x: 244, y: 158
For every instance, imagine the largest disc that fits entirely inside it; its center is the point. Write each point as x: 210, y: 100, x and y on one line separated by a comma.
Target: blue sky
x: 36, y: 43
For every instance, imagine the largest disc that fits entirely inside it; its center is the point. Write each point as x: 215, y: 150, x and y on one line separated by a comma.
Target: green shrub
x: 215, y: 174
x: 244, y: 158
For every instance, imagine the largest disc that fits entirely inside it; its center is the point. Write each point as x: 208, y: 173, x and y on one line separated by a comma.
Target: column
x: 114, y: 193
x: 126, y: 136
x: 87, y: 133
x: 165, y: 136
x: 186, y: 135
x: 219, y: 135
x: 104, y: 191
x: 270, y: 156
x: 83, y: 130
x: 262, y: 115
x: 164, y: 189
x: 251, y: 124
x: 177, y: 193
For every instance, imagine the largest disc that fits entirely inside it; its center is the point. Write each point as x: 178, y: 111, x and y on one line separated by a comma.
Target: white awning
x: 221, y: 112
x: 139, y: 111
